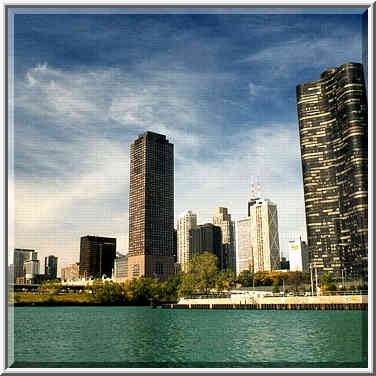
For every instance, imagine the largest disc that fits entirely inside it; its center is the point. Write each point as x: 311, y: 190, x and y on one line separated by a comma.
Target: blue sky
x: 220, y: 86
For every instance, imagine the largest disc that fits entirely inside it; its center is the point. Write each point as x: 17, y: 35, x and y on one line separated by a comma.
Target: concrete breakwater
x: 322, y: 307
x: 350, y: 302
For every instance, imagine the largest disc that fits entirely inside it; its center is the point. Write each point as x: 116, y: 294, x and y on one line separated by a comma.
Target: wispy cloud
x: 270, y: 154
x: 297, y: 54
x: 52, y: 214
x: 220, y: 87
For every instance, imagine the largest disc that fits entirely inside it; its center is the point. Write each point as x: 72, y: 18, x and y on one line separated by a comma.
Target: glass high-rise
x: 50, y: 266
x: 332, y: 115
x: 97, y: 255
x: 151, y: 207
x: 20, y: 256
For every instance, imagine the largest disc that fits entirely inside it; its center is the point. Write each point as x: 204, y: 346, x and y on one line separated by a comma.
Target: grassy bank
x: 72, y: 299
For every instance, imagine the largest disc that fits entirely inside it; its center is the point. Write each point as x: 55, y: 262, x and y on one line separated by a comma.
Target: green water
x: 126, y: 337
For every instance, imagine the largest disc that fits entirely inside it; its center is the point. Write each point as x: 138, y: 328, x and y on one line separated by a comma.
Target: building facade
x: 223, y: 220
x: 264, y: 236
x: 97, y: 255
x: 32, y: 270
x: 243, y: 248
x: 120, y: 268
x: 206, y: 238
x: 50, y: 267
x: 151, y: 207
x: 332, y: 114
x: 11, y: 278
x: 19, y: 258
x: 175, y: 247
x: 70, y: 272
x: 186, y: 221
x: 298, y: 255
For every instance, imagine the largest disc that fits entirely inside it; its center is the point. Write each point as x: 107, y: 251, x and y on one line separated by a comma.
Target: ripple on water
x: 141, y: 334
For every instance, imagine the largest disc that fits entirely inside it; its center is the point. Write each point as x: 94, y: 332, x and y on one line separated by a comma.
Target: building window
x: 159, y: 268
x: 136, y: 270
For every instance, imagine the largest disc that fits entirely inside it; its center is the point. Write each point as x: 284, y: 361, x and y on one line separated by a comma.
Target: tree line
x: 201, y: 276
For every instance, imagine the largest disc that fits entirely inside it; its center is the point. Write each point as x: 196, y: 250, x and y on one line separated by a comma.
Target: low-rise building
x: 70, y: 272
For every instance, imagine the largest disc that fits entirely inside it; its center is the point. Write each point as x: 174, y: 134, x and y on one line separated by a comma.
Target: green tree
x: 50, y: 287
x: 245, y: 278
x: 224, y: 280
x: 275, y: 289
x: 262, y: 278
x: 143, y: 290
x: 200, y: 275
x: 171, y: 286
x: 295, y: 280
x: 108, y: 292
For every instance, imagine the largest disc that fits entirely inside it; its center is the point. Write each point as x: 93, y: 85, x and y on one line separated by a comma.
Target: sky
x: 221, y: 86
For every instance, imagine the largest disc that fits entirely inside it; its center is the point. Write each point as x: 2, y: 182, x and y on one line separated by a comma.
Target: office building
x: 70, y: 272
x: 264, y: 235
x: 19, y: 258
x: 244, y: 255
x: 11, y: 278
x: 175, y: 246
x: 151, y: 207
x: 50, y: 267
x: 206, y: 238
x: 223, y: 220
x: 257, y: 237
x: 298, y: 255
x: 120, y: 268
x: 97, y: 255
x: 186, y: 221
x: 32, y: 270
x: 332, y: 114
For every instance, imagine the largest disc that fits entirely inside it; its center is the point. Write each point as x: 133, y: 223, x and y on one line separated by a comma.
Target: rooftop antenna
x: 258, y: 189
x: 253, y: 192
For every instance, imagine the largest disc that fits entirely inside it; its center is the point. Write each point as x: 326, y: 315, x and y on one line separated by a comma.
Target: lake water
x: 125, y: 337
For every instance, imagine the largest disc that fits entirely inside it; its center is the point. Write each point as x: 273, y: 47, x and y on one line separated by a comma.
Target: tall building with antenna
x: 257, y: 235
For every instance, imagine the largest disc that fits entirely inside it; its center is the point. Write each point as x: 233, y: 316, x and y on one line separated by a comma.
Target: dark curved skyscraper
x: 333, y: 139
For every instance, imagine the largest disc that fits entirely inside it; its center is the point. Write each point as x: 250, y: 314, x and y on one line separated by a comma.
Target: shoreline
x: 82, y: 304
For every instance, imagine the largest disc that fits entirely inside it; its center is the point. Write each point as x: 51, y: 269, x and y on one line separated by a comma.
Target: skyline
x: 225, y: 100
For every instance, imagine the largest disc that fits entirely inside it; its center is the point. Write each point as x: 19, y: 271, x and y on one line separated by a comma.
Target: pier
x: 317, y: 307
x: 323, y: 303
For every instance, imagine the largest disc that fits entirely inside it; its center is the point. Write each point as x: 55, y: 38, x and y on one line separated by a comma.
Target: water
x: 126, y: 337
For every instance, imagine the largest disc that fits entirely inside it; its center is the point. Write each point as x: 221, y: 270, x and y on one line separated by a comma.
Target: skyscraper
x: 19, y: 258
x: 50, y: 266
x: 257, y: 237
x: 186, y: 221
x: 206, y: 238
x: 223, y: 219
x: 264, y: 235
x: 31, y: 268
x: 97, y: 255
x: 332, y: 115
x: 151, y: 207
x: 243, y: 248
